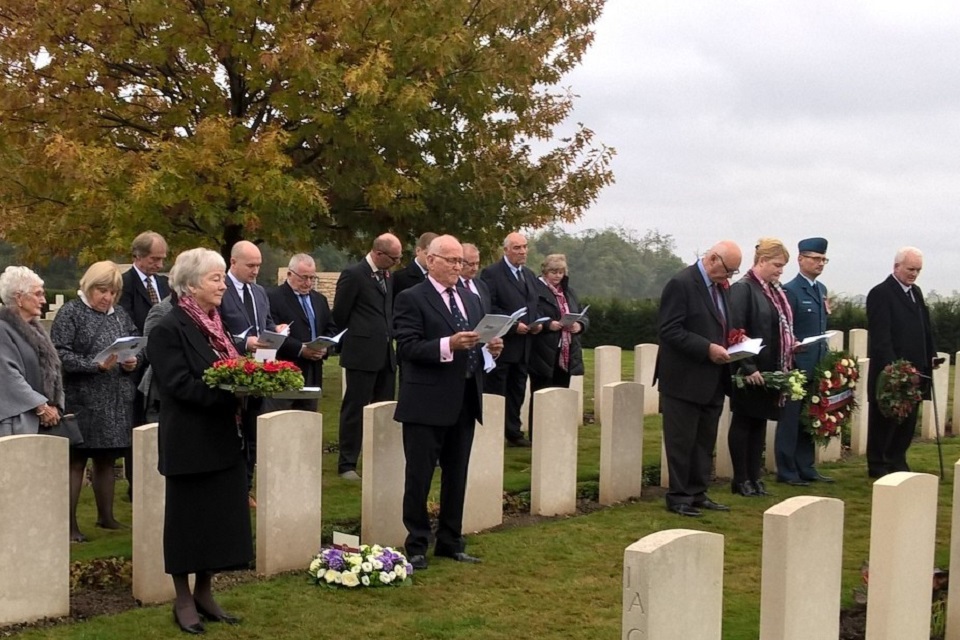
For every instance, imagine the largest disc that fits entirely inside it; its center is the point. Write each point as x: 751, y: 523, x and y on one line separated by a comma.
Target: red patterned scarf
x: 778, y: 299
x: 210, y: 326
x: 565, y: 335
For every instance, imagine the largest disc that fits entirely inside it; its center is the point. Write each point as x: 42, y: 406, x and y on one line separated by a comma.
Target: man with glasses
x: 363, y: 305
x: 691, y: 368
x: 468, y: 276
x: 301, y: 307
x: 415, y: 272
x: 808, y: 300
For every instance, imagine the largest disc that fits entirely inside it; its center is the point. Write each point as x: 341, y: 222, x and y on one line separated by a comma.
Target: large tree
x: 295, y: 123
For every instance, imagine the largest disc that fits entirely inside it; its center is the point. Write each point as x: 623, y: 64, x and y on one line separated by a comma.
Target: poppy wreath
x: 829, y: 406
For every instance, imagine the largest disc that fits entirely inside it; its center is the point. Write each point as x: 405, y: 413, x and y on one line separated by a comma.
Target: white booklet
x: 323, y: 342
x: 271, y: 339
x: 569, y: 318
x: 747, y: 348
x: 812, y: 339
x: 123, y: 348
x: 494, y: 325
x: 543, y: 320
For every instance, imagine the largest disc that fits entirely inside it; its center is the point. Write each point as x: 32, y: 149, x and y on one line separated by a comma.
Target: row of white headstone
x: 673, y: 579
x: 34, y: 547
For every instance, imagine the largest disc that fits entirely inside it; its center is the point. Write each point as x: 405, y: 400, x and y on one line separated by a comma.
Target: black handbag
x: 67, y: 428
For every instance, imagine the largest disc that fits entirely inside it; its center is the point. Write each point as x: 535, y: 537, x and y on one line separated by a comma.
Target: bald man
x: 691, y: 368
x: 363, y: 305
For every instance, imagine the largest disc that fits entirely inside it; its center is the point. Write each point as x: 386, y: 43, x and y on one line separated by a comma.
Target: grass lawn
x: 560, y: 578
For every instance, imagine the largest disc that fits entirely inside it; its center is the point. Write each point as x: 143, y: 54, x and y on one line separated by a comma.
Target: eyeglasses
x: 730, y: 272
x: 820, y: 259
x: 394, y: 259
x: 471, y: 264
x: 303, y: 277
x: 450, y: 261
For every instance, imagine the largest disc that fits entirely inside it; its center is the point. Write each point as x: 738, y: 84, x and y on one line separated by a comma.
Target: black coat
x: 898, y: 328
x: 546, y: 344
x: 134, y: 298
x: 751, y: 311
x: 361, y: 307
x: 285, y: 308
x: 198, y: 428
x: 507, y: 295
x: 411, y: 275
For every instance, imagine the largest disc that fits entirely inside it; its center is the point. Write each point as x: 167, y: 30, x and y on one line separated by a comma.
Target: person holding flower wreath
x: 760, y: 308
x: 202, y: 452
x: 899, y: 324
x: 808, y: 302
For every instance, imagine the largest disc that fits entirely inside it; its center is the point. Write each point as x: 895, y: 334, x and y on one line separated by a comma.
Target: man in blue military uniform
x: 808, y: 301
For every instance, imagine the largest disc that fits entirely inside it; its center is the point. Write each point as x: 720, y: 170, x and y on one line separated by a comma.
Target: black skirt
x: 207, y: 522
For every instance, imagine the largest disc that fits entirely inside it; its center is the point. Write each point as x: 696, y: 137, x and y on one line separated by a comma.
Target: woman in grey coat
x: 100, y: 394
x: 29, y: 366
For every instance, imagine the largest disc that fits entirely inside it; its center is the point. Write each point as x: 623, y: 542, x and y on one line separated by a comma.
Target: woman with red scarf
x: 207, y: 515
x: 759, y: 307
x: 556, y: 355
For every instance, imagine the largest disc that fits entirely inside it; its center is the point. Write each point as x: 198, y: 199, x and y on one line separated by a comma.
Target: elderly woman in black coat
x: 29, y: 366
x: 556, y: 354
x: 759, y: 307
x: 207, y: 516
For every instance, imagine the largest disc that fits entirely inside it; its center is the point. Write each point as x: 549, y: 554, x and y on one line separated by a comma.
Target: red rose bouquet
x: 246, y: 376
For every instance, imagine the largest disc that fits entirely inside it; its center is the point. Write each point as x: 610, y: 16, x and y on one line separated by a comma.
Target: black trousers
x: 746, y: 439
x: 424, y: 446
x: 888, y: 441
x: 689, y: 437
x: 363, y: 388
x: 794, y: 446
x: 509, y: 379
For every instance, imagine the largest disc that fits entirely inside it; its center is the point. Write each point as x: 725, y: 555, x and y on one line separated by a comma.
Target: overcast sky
x: 788, y: 119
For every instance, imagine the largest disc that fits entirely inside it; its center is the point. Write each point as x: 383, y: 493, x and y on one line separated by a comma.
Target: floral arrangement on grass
x: 368, y: 566
x: 828, y: 410
x: 249, y: 377
x: 898, y: 390
x: 792, y: 384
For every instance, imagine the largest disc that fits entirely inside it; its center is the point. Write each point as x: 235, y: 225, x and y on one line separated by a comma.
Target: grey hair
x: 300, y: 258
x: 143, y: 243
x: 903, y: 252
x: 190, y: 268
x: 16, y: 280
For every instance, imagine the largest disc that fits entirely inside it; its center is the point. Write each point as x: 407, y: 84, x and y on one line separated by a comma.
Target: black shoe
x: 685, y: 510
x: 794, y: 483
x: 459, y: 556
x: 744, y: 489
x: 519, y: 442
x: 761, y: 488
x: 418, y: 562
x: 820, y: 478
x: 710, y: 505
x: 193, y: 629
x: 213, y: 617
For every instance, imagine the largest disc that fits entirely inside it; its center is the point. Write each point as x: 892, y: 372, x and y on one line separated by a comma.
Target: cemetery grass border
x: 542, y: 578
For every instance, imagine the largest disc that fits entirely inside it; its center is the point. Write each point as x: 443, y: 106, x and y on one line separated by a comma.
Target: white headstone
x: 150, y: 582
x: 483, y: 501
x: 606, y: 370
x: 769, y: 448
x: 673, y: 586
x: 34, y: 528
x: 953, y: 595
x: 621, y: 442
x: 525, y: 410
x: 835, y: 341
x: 857, y: 339
x: 724, y: 463
x: 903, y: 527
x: 830, y: 453
x: 553, y: 473
x: 802, y: 558
x: 664, y: 466
x: 576, y: 383
x: 289, y: 455
x: 383, y: 481
x: 858, y: 422
x: 931, y: 416
x: 644, y: 363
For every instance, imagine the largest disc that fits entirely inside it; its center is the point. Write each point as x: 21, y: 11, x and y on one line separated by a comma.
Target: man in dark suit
x: 415, y: 272
x: 469, y: 279
x: 808, y: 301
x: 143, y: 287
x: 306, y: 312
x: 511, y: 286
x: 691, y: 368
x: 245, y: 309
x: 363, y: 305
x: 441, y: 396
x: 899, y: 325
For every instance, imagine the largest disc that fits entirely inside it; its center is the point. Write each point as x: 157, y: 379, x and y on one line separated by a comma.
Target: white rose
x: 845, y: 362
x: 365, y: 580
x: 332, y: 576
x: 354, y: 560
x: 385, y: 577
x: 376, y: 549
x: 815, y: 424
x: 815, y: 399
x: 351, y: 580
x: 367, y: 567
x: 401, y: 572
x: 376, y: 564
x: 320, y: 572
x: 355, y: 569
x: 827, y: 375
x: 315, y: 565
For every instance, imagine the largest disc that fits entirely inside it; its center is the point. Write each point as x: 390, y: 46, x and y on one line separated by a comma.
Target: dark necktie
x: 715, y: 293
x: 910, y: 295
x: 248, y: 305
x: 311, y: 318
x: 381, y: 279
x: 462, y: 325
x: 151, y: 292
x: 520, y: 275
